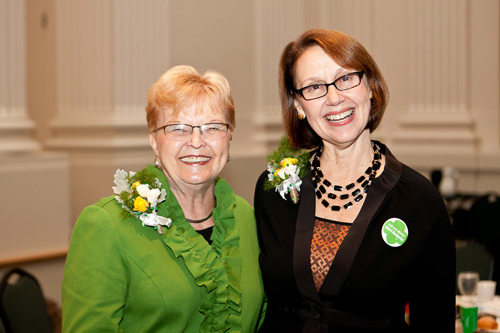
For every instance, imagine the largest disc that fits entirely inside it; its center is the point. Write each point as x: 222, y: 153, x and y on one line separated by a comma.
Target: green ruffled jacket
x: 121, y: 276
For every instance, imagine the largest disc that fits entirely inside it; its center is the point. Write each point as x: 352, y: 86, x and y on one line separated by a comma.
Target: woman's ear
x: 153, y: 143
x: 300, y: 112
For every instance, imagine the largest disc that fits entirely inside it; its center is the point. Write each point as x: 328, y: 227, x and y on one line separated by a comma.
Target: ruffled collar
x: 216, y: 267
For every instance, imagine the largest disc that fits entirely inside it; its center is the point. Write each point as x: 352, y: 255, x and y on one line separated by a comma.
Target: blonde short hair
x: 181, y: 87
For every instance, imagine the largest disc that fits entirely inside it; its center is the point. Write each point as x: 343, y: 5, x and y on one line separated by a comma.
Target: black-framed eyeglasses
x: 319, y: 90
x: 184, y: 131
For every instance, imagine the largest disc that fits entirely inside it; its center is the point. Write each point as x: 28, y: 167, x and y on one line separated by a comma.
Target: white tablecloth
x: 491, y: 307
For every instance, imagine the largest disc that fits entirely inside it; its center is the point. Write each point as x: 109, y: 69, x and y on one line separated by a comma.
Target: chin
x: 199, y: 180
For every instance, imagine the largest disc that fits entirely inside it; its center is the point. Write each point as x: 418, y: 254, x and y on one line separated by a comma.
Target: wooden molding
x: 39, y: 257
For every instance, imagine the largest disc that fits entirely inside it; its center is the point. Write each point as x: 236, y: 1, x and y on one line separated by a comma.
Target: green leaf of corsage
x: 287, y: 167
x: 139, y: 194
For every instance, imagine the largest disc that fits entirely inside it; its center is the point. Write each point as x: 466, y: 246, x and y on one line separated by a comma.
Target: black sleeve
x: 432, y: 303
x: 276, y: 219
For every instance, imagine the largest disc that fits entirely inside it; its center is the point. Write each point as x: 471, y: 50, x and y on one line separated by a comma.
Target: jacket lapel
x: 350, y: 246
x: 303, y: 236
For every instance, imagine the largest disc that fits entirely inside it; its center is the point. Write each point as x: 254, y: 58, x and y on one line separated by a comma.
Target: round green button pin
x: 394, y: 232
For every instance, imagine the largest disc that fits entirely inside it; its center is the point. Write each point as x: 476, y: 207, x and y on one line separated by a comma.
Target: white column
x: 15, y: 126
x: 485, y: 88
x: 109, y: 52
x: 354, y: 17
x: 438, y: 118
x: 438, y: 55
x: 277, y: 23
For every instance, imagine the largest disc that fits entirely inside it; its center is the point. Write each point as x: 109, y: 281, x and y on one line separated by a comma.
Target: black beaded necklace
x: 364, y: 182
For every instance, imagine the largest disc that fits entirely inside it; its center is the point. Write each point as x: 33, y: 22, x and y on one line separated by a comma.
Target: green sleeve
x: 253, y: 296
x: 263, y: 310
x: 94, y: 283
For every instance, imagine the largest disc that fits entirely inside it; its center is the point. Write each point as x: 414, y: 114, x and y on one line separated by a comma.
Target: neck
x: 197, y: 202
x: 200, y: 220
x: 346, y: 163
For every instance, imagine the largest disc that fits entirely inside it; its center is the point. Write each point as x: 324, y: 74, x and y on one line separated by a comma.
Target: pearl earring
x: 156, y: 163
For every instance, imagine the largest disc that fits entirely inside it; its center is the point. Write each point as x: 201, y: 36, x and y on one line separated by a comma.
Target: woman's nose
x: 196, y: 139
x: 334, y: 96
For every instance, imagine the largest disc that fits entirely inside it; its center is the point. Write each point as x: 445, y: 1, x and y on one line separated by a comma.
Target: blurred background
x: 74, y: 73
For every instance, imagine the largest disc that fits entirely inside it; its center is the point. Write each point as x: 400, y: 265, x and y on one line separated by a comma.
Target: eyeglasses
x: 319, y: 90
x: 183, y: 131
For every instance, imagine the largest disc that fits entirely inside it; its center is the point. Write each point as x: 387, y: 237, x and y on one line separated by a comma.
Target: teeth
x: 340, y: 116
x: 194, y: 159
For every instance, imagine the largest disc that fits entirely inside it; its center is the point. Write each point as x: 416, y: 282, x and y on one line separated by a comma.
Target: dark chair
x: 22, y: 304
x: 486, y: 217
x: 2, y: 328
x: 474, y: 257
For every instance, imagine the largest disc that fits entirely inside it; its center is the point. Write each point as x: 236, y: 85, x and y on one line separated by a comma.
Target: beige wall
x: 75, y: 72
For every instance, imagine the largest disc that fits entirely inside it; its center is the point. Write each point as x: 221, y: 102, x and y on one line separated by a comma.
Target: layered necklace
x: 355, y: 191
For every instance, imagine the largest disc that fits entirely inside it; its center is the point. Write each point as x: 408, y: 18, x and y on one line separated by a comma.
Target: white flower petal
x: 120, y: 180
x: 164, y: 221
x: 281, y: 173
x: 153, y: 197
x: 290, y: 169
x: 163, y: 194
x: 153, y: 220
x: 143, y: 190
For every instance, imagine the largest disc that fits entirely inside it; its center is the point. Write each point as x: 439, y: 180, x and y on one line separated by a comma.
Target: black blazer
x: 369, y: 282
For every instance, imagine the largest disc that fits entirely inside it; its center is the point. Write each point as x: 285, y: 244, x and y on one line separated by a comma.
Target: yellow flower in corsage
x: 140, y: 193
x: 140, y: 205
x: 286, y: 167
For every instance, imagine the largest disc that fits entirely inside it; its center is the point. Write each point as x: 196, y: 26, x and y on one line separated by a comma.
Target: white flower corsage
x: 286, y: 167
x: 140, y: 193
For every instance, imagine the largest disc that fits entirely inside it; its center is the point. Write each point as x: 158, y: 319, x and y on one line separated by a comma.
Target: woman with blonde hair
x: 174, y: 249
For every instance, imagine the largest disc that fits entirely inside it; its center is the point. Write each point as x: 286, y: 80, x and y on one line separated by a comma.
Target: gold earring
x: 301, y: 116
x: 371, y: 95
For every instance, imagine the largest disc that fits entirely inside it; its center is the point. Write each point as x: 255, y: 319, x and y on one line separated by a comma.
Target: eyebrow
x: 343, y: 71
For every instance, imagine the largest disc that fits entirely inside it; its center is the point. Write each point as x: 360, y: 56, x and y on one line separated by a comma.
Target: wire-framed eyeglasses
x: 319, y: 90
x: 184, y: 131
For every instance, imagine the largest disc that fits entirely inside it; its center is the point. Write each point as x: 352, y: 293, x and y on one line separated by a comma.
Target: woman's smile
x: 195, y: 159
x: 341, y: 116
